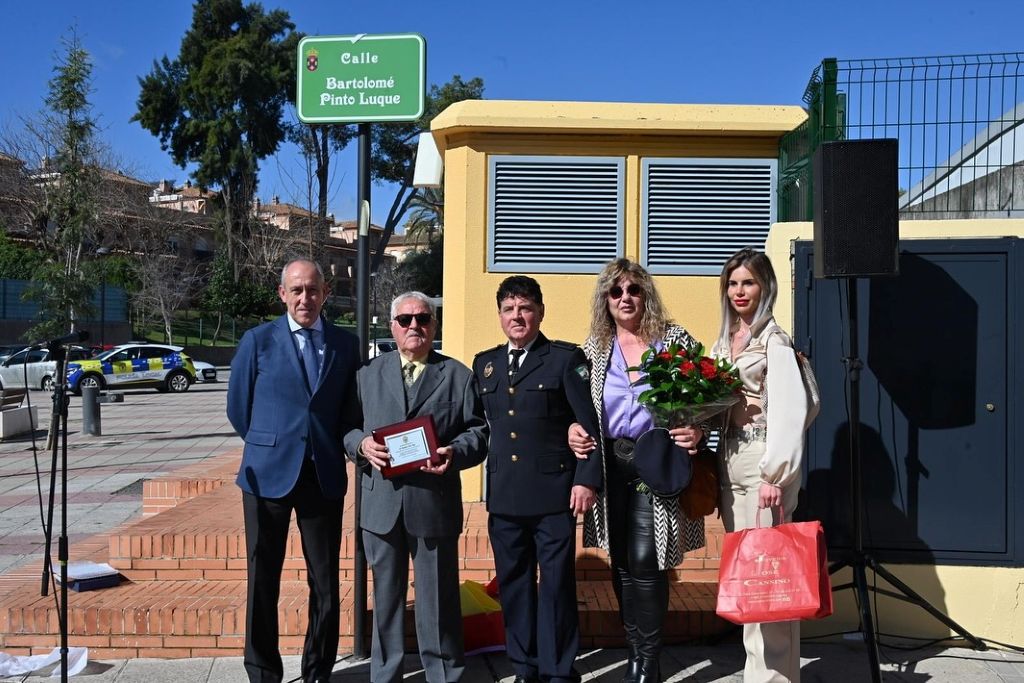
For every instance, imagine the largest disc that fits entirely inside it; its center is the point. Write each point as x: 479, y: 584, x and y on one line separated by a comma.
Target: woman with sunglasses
x: 762, y: 446
x: 645, y: 535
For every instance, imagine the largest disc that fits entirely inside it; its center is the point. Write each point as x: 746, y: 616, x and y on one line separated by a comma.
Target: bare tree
x: 268, y: 248
x: 387, y: 283
x: 166, y: 282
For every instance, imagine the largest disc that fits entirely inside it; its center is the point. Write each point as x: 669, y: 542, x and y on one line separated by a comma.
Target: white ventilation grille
x: 697, y: 212
x: 554, y: 214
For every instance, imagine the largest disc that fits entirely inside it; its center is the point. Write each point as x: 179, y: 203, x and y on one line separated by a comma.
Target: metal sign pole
x: 359, y: 648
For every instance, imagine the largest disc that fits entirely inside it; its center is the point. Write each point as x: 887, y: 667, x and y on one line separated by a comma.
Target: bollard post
x: 91, y: 411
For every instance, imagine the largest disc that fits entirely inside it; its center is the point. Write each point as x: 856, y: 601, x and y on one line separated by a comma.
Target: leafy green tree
x: 223, y: 295
x: 317, y: 143
x: 426, y: 215
x: 393, y: 159
x: 424, y: 268
x: 66, y: 217
x: 219, y: 104
x: 18, y: 262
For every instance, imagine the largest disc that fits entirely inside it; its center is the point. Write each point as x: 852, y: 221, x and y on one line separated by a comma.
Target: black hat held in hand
x: 661, y: 464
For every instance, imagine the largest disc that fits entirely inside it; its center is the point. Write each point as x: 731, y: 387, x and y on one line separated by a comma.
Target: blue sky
x: 740, y: 52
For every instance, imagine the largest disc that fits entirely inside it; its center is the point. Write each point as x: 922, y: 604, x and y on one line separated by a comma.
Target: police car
x: 163, y: 367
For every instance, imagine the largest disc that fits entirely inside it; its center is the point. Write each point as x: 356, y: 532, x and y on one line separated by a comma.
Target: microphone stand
x: 59, y: 444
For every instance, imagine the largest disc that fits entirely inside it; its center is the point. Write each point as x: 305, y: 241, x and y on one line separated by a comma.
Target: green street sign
x: 361, y: 78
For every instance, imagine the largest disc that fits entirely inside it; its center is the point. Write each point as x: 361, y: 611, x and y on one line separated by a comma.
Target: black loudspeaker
x: 856, y: 209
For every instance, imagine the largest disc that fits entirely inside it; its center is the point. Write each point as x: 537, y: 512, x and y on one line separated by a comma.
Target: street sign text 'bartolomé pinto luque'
x: 361, y: 78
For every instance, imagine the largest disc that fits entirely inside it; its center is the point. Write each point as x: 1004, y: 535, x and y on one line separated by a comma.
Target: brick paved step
x: 185, y: 596
x: 203, y: 538
x: 212, y: 540
x: 175, y: 619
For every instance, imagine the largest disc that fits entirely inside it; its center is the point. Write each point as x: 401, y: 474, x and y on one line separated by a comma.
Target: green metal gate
x: 958, y: 120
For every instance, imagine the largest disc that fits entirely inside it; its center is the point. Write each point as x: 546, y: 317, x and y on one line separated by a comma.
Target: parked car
x: 163, y: 367
x: 205, y: 372
x: 8, y: 350
x: 37, y: 365
x: 379, y: 346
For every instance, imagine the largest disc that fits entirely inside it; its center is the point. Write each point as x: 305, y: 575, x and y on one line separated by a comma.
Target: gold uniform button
x: 511, y: 412
x: 511, y: 390
x: 513, y: 435
x: 561, y: 466
x: 515, y: 458
x: 540, y: 386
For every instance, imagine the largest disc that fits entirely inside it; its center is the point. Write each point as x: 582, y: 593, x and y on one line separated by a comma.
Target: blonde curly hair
x: 654, y: 319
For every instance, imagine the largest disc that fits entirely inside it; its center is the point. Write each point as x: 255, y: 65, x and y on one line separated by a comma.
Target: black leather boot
x: 632, y: 665
x: 649, y: 671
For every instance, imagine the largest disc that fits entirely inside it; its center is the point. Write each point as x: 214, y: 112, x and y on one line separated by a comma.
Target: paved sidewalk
x: 148, y: 435
x: 822, y: 663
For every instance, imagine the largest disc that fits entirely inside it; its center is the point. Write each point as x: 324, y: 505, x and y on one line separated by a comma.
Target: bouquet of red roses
x: 686, y: 387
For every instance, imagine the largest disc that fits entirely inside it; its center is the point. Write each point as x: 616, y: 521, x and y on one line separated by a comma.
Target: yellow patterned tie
x: 409, y: 374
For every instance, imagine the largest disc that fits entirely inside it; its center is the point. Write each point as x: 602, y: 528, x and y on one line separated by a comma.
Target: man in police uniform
x: 532, y: 390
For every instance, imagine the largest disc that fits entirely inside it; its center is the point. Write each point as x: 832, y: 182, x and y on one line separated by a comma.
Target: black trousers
x: 640, y: 587
x: 541, y: 620
x: 266, y: 537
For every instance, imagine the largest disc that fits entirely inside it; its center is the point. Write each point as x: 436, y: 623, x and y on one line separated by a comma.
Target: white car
x: 382, y: 346
x: 38, y: 367
x: 205, y: 372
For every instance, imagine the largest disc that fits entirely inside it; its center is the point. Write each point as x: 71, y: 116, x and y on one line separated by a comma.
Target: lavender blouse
x: 623, y: 415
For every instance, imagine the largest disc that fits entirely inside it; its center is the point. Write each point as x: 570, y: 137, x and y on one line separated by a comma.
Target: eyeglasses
x: 405, y: 319
x: 616, y: 292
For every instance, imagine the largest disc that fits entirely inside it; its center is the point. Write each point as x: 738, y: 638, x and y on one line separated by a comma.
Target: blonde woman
x: 760, y: 453
x: 644, y: 535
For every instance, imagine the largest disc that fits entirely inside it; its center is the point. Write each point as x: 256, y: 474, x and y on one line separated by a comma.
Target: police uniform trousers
x: 546, y: 610
x: 266, y: 537
x: 773, y: 649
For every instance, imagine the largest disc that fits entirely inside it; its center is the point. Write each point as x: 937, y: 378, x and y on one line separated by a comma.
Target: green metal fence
x: 958, y: 120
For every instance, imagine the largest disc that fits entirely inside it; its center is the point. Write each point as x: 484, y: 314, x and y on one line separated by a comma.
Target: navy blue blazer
x: 271, y: 408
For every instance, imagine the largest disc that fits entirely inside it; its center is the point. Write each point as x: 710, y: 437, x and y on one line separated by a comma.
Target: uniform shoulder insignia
x: 583, y: 370
x: 488, y: 350
x: 568, y: 346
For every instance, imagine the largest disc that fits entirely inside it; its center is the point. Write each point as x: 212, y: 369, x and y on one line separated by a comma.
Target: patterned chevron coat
x: 674, y: 532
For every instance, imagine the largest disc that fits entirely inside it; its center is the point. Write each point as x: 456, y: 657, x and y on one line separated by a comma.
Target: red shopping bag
x: 774, y: 574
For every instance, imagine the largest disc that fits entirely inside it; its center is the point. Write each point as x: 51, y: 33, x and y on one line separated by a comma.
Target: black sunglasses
x: 616, y: 292
x: 405, y: 319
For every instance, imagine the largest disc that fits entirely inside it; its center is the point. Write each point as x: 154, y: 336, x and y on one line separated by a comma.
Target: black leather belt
x: 621, y: 447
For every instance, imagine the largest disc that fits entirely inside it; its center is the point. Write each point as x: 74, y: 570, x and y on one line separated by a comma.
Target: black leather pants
x: 641, y: 588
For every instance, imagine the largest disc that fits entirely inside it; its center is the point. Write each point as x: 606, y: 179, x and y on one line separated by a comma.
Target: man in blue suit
x: 291, y: 397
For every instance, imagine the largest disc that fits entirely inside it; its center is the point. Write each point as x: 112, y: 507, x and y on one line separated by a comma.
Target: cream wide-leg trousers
x: 773, y: 649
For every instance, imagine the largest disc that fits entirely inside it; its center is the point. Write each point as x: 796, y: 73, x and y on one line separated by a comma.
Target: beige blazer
x: 786, y: 408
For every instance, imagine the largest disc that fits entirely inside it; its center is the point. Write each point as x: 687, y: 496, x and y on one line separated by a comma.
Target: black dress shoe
x: 526, y: 679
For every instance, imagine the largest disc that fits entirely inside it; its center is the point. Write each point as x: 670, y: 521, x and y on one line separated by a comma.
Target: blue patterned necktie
x: 309, y: 359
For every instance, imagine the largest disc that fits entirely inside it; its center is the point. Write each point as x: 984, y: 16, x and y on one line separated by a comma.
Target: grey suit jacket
x: 431, y: 504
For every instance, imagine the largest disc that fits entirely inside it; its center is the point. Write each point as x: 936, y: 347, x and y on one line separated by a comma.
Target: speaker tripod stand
x: 861, y: 561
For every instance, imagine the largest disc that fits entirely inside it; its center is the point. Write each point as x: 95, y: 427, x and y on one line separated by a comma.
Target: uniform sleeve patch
x: 583, y: 371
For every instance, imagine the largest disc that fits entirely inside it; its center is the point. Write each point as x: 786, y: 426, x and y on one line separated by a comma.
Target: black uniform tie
x: 513, y: 367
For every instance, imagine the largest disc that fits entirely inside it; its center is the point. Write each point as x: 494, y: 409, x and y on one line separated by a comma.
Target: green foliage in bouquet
x: 682, y: 379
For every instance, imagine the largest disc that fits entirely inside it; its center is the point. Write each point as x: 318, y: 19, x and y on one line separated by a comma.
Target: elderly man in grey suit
x: 418, y: 513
